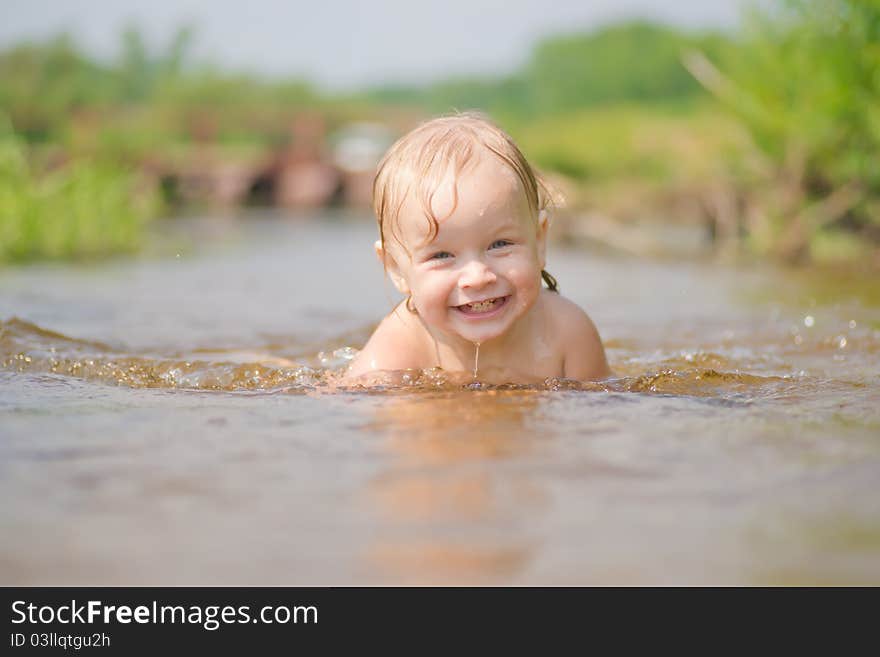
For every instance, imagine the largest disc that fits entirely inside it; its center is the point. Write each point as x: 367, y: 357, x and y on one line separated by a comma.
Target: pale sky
x: 347, y: 43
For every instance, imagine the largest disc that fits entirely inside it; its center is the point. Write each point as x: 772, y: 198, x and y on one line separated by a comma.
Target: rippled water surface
x: 174, y: 420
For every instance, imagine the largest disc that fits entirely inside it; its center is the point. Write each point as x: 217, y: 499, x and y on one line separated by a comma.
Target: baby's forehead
x: 487, y: 185
x: 487, y: 182
x: 458, y: 202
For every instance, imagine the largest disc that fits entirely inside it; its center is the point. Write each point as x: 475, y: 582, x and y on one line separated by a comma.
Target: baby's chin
x: 480, y: 334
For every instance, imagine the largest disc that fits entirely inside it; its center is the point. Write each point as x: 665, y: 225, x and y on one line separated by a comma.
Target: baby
x: 463, y: 236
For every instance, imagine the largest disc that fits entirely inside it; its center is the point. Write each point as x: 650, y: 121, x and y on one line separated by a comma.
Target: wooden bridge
x: 310, y: 170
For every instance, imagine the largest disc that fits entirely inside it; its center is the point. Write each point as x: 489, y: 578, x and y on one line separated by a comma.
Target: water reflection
x: 453, y: 506
x: 164, y: 422
x: 831, y: 548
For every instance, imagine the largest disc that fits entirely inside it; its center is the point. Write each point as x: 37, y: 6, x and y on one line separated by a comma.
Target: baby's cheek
x: 526, y: 279
x: 533, y: 292
x: 433, y: 294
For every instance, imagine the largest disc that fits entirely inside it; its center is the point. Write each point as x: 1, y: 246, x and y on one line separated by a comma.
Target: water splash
x: 26, y: 347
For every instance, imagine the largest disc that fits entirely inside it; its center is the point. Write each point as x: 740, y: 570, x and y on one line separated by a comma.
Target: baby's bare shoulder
x: 584, y: 355
x: 394, y: 345
x: 567, y: 317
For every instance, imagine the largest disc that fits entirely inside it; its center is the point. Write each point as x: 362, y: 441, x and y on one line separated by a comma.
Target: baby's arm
x: 391, y: 347
x: 584, y: 355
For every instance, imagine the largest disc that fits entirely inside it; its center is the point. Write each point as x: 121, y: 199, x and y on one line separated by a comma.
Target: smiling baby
x: 463, y: 222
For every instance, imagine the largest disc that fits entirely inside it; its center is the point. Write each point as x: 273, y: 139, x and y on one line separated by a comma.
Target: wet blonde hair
x: 420, y: 160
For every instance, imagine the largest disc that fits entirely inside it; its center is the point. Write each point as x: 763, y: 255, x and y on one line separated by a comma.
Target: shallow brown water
x: 170, y: 420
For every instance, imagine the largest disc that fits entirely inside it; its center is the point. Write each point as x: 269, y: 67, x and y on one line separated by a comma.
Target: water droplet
x: 852, y: 323
x: 345, y: 353
x: 841, y: 341
x: 809, y: 320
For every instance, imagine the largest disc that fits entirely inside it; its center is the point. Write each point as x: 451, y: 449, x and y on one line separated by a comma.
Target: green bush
x: 804, y: 82
x: 651, y: 142
x: 81, y: 210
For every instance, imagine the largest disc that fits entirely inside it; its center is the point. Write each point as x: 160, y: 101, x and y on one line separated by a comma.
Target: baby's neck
x: 454, y: 353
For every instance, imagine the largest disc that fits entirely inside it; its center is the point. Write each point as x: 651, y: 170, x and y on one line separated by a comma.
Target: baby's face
x: 481, y: 273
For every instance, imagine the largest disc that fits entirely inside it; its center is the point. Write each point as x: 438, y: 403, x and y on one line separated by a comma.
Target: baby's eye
x: 440, y: 255
x: 497, y: 244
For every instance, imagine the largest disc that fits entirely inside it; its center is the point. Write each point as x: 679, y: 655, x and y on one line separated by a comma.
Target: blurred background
x: 185, y: 266
x: 689, y: 128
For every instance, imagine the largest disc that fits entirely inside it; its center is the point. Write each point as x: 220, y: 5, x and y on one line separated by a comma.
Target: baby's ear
x: 391, y: 268
x: 543, y: 227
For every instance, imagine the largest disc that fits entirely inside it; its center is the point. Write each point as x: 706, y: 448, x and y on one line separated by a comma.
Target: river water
x: 168, y: 420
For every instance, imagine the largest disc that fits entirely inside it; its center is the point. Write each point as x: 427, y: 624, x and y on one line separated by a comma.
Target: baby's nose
x: 476, y: 274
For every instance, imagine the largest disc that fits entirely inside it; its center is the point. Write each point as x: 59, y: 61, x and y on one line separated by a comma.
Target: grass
x: 84, y: 209
x: 631, y: 159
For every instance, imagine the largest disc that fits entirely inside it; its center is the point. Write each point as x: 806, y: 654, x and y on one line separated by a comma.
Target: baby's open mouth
x: 482, y: 307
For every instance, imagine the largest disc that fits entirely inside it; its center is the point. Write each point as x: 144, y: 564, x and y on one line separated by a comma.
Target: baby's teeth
x: 482, y: 305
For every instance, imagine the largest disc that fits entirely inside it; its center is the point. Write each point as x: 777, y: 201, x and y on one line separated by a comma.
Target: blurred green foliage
x: 82, y: 210
x: 633, y: 61
x: 804, y: 82
x: 789, y: 168
x: 142, y: 102
x: 665, y: 144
